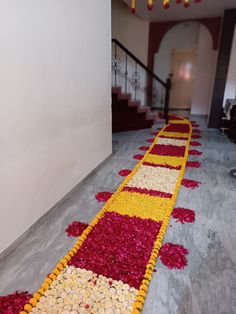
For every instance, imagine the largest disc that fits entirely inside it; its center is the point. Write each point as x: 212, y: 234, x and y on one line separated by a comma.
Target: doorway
x: 183, y: 68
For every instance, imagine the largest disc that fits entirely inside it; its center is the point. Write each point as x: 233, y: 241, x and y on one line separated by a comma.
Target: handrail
x: 129, y: 53
x: 166, y: 85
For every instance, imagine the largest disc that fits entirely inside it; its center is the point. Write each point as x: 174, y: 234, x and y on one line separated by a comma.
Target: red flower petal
x: 194, y: 152
x: 146, y: 191
x: 173, y: 117
x: 14, y: 303
x: 193, y: 143
x: 180, y: 128
x: 190, y: 184
x: 145, y: 148
x: 193, y: 164
x: 138, y: 157
x: 150, y: 7
x: 118, y: 247
x: 154, y: 133
x: 168, y: 150
x: 103, y: 196
x: 196, y: 136
x: 173, y: 256
x: 124, y: 172
x: 150, y: 140
x: 174, y: 137
x: 161, y: 165
x: 196, y: 131
x: 132, y: 10
x: 183, y: 215
x: 76, y: 228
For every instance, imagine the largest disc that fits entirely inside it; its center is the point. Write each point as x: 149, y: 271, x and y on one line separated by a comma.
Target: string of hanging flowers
x: 166, y: 4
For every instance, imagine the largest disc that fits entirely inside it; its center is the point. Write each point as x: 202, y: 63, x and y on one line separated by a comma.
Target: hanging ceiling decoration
x: 166, y: 3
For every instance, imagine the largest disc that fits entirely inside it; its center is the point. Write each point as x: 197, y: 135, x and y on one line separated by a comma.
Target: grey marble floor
x: 207, y: 285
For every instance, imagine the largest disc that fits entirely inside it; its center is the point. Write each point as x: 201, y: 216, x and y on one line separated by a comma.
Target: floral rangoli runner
x: 110, y: 266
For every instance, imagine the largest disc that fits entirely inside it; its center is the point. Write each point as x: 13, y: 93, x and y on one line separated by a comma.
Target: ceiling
x: 206, y: 8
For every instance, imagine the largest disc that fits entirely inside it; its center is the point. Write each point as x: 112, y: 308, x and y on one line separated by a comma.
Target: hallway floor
x: 206, y: 285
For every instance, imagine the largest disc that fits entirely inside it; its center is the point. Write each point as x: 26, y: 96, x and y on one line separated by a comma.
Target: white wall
x: 205, y: 72
x: 133, y: 33
x: 230, y: 88
x: 55, y: 110
x: 130, y: 30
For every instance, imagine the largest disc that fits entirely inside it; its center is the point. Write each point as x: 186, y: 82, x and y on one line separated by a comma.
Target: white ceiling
x: 206, y: 8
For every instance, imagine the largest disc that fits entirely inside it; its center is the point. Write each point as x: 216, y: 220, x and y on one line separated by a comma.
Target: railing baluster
x: 135, y: 86
x: 167, y: 99
x: 126, y: 71
x: 115, y: 69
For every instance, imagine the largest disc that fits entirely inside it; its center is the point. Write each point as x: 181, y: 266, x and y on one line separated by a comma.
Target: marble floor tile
x: 207, y: 285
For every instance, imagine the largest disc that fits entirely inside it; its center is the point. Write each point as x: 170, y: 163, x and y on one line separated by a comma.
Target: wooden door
x: 183, y: 64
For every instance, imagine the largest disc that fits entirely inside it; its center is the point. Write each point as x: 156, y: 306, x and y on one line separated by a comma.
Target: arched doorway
x: 186, y: 50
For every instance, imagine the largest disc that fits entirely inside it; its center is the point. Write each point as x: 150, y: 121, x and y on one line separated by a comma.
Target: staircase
x: 128, y: 114
x: 132, y: 99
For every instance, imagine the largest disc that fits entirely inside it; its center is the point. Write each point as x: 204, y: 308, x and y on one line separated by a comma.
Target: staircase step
x: 125, y: 96
x: 144, y: 109
x: 128, y: 114
x: 116, y: 90
x: 134, y: 103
